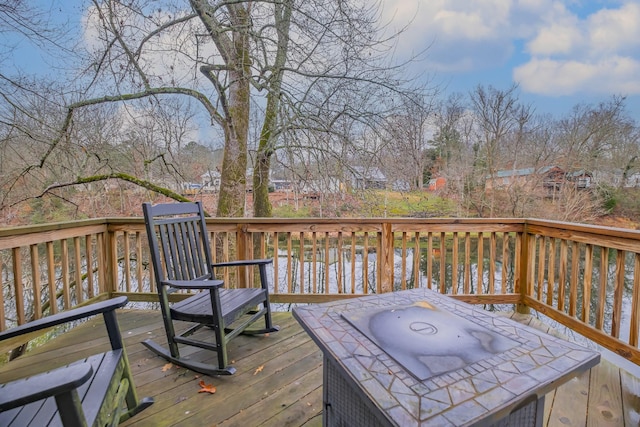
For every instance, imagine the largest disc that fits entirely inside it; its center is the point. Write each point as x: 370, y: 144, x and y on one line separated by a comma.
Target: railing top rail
x: 536, y: 225
x: 558, y: 228
x: 363, y: 220
x: 54, y: 226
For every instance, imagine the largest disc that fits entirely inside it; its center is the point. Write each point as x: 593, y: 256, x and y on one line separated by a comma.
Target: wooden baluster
x: 551, y: 271
x: 353, y: 262
x: 18, y: 287
x: 301, y: 256
x: 542, y: 244
x: 492, y: 263
x: 66, y: 291
x: 635, y: 303
x: 586, y: 289
x: 403, y: 278
x: 467, y: 263
x: 35, y: 277
x: 602, y: 295
x: 573, y: 284
x: 618, y: 294
x: 454, y: 264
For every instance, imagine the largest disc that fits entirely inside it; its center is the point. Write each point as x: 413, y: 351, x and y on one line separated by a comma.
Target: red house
x: 436, y: 184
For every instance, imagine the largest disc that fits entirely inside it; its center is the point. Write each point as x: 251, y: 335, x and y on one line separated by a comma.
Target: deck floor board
x: 279, y: 379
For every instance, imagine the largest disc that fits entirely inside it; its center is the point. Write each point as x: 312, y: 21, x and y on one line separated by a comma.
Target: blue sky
x: 560, y: 53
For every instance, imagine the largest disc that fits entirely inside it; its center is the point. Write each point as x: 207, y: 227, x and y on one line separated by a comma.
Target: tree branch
x: 115, y: 175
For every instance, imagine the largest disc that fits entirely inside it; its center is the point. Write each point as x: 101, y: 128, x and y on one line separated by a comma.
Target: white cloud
x: 468, y: 35
x: 555, y: 39
x: 568, y: 47
x: 599, y: 55
x: 611, y: 75
x: 615, y: 29
x: 472, y: 24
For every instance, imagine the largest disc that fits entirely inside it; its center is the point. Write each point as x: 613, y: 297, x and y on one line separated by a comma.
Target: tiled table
x: 418, y: 358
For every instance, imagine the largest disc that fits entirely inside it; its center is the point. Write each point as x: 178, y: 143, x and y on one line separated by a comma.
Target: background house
x: 368, y: 178
x: 550, y: 178
x: 436, y: 184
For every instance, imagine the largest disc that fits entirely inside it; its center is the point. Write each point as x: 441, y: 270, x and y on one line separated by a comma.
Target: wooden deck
x: 279, y: 380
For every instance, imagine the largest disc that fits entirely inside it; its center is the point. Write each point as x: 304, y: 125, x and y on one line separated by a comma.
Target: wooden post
x: 386, y: 258
x: 242, y: 253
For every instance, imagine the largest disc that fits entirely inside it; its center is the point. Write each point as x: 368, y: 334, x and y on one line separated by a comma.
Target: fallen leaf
x: 259, y: 369
x: 166, y: 367
x: 206, y: 388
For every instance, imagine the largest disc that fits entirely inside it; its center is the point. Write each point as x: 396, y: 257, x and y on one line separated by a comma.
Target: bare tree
x: 598, y: 137
x: 21, y: 20
x: 405, y: 155
x: 140, y: 145
x: 498, y: 116
x: 304, y: 65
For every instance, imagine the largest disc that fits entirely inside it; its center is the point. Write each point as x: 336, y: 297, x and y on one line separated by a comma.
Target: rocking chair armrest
x: 193, y: 284
x: 65, y: 317
x: 47, y: 384
x: 244, y: 262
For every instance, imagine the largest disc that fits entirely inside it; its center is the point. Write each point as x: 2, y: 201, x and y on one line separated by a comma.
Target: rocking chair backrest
x: 178, y: 241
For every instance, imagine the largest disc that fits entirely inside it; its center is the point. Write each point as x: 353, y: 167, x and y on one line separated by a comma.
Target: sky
x: 560, y: 53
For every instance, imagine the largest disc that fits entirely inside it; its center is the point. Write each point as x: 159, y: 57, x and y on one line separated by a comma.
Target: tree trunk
x: 261, y: 203
x: 233, y: 180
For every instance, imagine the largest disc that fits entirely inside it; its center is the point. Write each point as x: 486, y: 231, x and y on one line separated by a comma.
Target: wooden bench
x: 95, y: 391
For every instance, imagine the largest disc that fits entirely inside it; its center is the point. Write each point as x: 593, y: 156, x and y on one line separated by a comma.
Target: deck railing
x: 585, y: 277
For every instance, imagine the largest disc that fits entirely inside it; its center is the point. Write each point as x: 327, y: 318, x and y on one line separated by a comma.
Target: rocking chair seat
x: 234, y: 303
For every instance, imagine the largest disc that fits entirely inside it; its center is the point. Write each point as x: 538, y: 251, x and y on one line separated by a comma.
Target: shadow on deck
x: 279, y: 380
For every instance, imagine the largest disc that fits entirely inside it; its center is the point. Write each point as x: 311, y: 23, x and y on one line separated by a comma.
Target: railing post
x: 522, y: 266
x: 386, y: 258
x: 242, y: 252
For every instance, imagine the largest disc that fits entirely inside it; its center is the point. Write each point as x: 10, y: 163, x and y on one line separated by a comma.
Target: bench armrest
x: 244, y: 262
x: 193, y: 284
x: 47, y: 384
x: 65, y: 317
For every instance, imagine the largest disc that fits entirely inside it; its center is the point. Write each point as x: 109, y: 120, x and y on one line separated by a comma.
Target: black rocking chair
x: 95, y: 391
x: 181, y: 257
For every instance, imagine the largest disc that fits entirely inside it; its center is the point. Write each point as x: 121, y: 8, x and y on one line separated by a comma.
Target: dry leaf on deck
x: 259, y: 369
x: 206, y: 388
x: 166, y: 367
